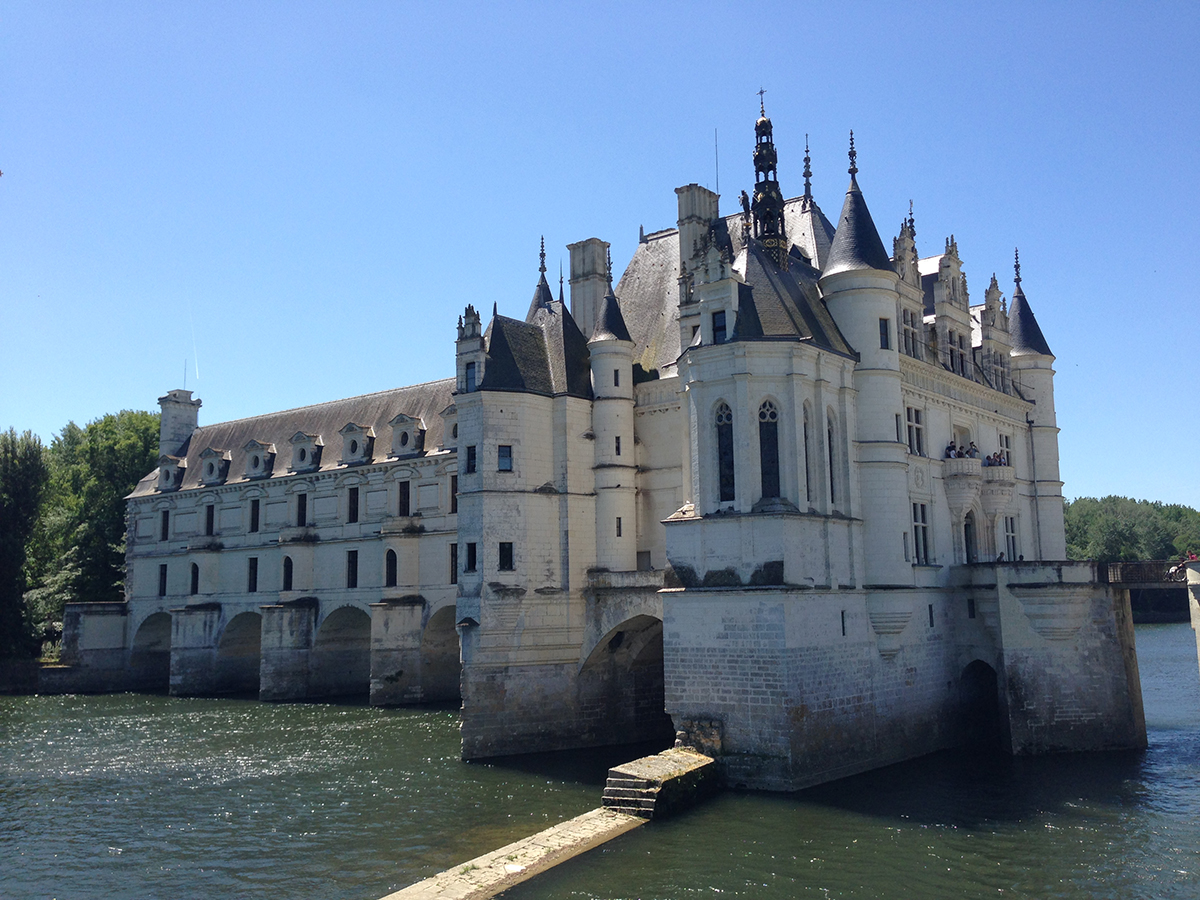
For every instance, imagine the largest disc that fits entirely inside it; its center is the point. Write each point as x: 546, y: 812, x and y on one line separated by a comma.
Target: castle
x: 712, y: 501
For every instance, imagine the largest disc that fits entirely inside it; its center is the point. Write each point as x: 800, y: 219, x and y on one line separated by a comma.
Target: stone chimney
x: 180, y: 415
x: 589, y: 282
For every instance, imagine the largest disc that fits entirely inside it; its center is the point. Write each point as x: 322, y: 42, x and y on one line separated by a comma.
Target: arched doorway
x: 970, y: 547
x: 979, y: 705
x: 150, y: 655
x: 441, y: 666
x: 620, y: 686
x: 238, y: 655
x: 340, y: 662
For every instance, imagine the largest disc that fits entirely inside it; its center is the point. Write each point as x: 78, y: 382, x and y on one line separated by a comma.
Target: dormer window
x: 306, y: 452
x: 260, y: 459
x: 358, y: 444
x: 171, y: 470
x: 214, y: 466
x: 408, y: 435
x: 449, y: 427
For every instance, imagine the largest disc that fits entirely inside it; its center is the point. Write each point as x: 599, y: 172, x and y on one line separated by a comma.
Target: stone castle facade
x: 711, y: 500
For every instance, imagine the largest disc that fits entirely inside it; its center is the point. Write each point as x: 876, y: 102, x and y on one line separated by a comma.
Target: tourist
x: 951, y: 451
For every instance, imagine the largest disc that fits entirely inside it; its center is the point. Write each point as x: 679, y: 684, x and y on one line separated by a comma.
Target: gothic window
x: 195, y: 587
x: 389, y: 576
x: 768, y: 448
x: 718, y: 326
x: 725, y: 452
x: 287, y: 573
x: 351, y: 568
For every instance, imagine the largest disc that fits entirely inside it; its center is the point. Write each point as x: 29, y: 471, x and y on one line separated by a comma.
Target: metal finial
x: 762, y: 110
x: 853, y: 155
x: 610, y: 268
x: 560, y: 282
x: 807, y: 170
x: 1016, y: 265
x: 542, y: 267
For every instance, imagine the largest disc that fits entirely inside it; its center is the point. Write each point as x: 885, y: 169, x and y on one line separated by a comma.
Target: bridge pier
x: 287, y: 637
x: 1193, y: 588
x: 194, y: 631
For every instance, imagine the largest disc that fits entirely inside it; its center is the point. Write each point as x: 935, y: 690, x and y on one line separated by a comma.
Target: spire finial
x: 853, y: 155
x: 807, y: 171
x: 1017, y: 265
x: 542, y: 266
x: 560, y: 282
x: 762, y: 110
x: 610, y: 269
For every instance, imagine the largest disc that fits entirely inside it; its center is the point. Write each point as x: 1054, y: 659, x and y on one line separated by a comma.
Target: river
x: 132, y: 796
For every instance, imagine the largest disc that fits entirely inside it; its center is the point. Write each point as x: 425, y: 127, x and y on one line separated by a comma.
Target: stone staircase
x: 630, y: 795
x: 660, y: 785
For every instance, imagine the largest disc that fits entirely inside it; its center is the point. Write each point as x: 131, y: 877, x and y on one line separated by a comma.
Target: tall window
x: 768, y: 448
x: 469, y: 467
x: 916, y: 431
x: 252, y: 575
x: 885, y: 334
x: 454, y: 563
x: 389, y: 574
x: 618, y: 526
x: 807, y: 460
x: 618, y: 445
x: 165, y: 525
x: 301, y: 510
x: 470, y: 376
x: 912, y: 325
x: 287, y: 573
x: 506, y: 556
x: 1010, y: 537
x: 162, y: 580
x: 1005, y: 450
x: 453, y: 493
x: 725, y: 452
x: 504, y: 458
x: 616, y: 377
x: 830, y: 447
x: 718, y: 325
x: 405, y: 492
x: 210, y: 520
x: 254, y: 511
x: 195, y: 586
x: 920, y: 534
x: 471, y: 557
x: 351, y: 568
x: 352, y: 505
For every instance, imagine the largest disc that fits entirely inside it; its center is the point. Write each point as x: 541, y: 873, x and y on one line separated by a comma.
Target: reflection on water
x: 135, y: 796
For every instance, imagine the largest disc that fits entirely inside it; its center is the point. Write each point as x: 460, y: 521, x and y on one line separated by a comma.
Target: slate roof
x: 541, y: 297
x: 547, y: 355
x: 1023, y: 329
x: 610, y: 324
x: 856, y: 243
x: 775, y: 304
x: 326, y: 419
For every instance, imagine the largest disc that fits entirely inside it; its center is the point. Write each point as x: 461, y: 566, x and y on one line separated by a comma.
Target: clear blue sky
x: 299, y: 199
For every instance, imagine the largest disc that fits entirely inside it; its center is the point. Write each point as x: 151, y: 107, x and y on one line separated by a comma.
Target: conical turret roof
x: 610, y: 324
x: 1023, y: 329
x: 856, y: 243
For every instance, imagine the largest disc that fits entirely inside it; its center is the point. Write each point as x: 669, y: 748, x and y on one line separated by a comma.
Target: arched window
x: 831, y: 449
x: 807, y: 459
x: 389, y: 579
x: 287, y: 573
x: 725, y: 452
x: 768, y: 448
x: 195, y: 579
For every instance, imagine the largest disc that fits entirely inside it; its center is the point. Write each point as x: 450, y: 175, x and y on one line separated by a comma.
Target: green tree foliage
x: 1118, y: 529
x: 77, y: 551
x: 23, y: 474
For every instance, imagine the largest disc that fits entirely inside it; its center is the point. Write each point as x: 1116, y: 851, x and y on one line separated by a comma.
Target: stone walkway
x: 488, y: 875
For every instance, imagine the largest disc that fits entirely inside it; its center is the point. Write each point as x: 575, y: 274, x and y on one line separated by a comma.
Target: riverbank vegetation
x: 62, y: 533
x: 1119, y: 529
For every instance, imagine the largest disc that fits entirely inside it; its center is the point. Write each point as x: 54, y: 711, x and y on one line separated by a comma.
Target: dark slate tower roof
x: 856, y: 243
x: 541, y: 293
x: 610, y: 324
x: 1023, y: 328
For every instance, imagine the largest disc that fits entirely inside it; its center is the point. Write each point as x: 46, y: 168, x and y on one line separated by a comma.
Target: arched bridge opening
x: 441, y: 664
x: 238, y: 655
x: 621, y: 686
x: 340, y: 662
x: 150, y: 653
x: 980, y: 711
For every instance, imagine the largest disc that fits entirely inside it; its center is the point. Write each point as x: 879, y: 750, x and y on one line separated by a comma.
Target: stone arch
x: 620, y: 686
x: 769, y: 450
x: 981, y: 712
x: 441, y: 660
x: 340, y: 661
x: 238, y: 655
x: 150, y: 653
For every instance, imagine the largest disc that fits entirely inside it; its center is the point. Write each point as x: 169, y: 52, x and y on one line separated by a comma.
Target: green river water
x: 135, y: 796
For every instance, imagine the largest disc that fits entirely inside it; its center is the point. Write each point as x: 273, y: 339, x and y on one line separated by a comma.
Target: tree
x: 1119, y: 529
x: 23, y: 474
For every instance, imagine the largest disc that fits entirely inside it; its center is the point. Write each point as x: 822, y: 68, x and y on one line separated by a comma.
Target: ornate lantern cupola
x: 767, y: 207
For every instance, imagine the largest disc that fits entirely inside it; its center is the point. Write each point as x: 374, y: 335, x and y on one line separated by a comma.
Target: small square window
x: 504, y: 458
x: 506, y: 556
